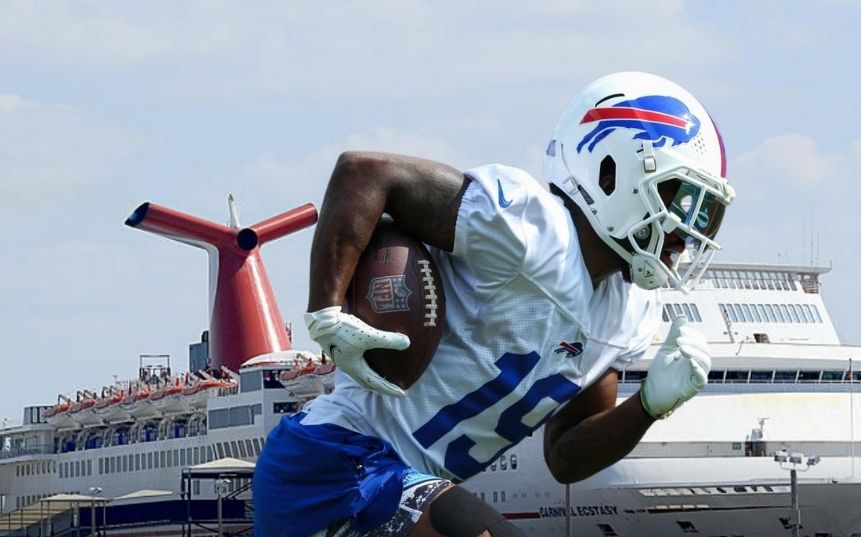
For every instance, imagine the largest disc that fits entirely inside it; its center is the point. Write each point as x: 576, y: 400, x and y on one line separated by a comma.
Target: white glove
x: 680, y: 370
x: 345, y: 338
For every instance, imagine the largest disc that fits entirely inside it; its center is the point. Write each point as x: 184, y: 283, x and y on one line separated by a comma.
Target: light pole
x: 221, y: 488
x: 795, y: 462
x: 94, y: 491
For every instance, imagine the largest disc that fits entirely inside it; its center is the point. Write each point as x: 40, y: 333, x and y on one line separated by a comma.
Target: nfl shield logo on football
x: 388, y: 293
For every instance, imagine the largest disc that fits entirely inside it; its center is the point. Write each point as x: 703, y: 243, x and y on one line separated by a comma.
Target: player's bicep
x: 422, y: 196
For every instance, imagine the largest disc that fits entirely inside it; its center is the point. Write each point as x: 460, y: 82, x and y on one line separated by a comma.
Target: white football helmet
x: 642, y: 158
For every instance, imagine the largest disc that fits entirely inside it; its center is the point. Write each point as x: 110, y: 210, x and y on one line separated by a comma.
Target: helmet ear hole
x: 607, y: 175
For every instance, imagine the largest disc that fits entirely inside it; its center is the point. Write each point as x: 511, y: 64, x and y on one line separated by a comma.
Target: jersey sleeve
x: 631, y: 332
x: 495, y: 222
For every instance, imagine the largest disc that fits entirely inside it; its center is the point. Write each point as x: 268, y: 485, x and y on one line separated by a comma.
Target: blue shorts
x: 310, y: 477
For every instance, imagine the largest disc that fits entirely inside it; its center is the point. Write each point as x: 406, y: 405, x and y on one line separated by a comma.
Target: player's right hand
x: 679, y: 371
x: 345, y: 338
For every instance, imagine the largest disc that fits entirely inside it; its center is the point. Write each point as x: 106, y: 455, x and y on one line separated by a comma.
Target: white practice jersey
x: 525, y: 332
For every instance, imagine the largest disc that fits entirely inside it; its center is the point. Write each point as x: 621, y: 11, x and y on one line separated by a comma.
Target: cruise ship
x: 173, y: 453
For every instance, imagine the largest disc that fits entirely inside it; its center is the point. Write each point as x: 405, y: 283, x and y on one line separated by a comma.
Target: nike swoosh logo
x: 504, y: 203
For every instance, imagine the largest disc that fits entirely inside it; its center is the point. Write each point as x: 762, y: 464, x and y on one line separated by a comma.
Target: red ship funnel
x: 244, y: 318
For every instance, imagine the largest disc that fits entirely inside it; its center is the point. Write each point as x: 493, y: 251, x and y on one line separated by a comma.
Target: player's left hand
x: 679, y: 371
x: 345, y: 338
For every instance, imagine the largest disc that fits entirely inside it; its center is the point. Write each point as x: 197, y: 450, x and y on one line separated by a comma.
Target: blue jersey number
x: 513, y: 368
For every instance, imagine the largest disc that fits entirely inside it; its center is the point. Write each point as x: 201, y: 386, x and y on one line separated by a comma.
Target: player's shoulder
x: 624, y: 315
x: 514, y: 193
x: 506, y: 182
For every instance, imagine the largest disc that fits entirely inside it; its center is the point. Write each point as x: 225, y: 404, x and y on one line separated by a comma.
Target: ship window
x: 664, y: 316
x: 242, y: 453
x: 634, y: 376
x: 502, y: 496
x: 219, y: 418
x: 607, y: 530
x: 182, y: 457
x: 816, y: 314
x: 785, y: 311
x: 89, y: 466
x: 737, y: 310
x: 736, y: 376
x: 761, y: 376
x: 793, y: 313
x: 495, y: 496
x: 833, y: 375
x: 257, y: 444
x: 240, y: 415
x: 249, y: 448
x: 745, y: 310
x: 808, y: 313
x: 197, y: 486
x: 769, y: 312
x: 250, y: 381
x: 162, y: 458
x: 785, y: 376
x: 778, y: 316
x: 809, y: 376
x: 149, y: 460
x: 234, y: 448
x: 696, y: 312
x: 513, y: 462
x: 219, y: 450
x: 687, y: 310
x: 716, y: 375
x: 756, y: 315
x: 687, y: 527
x: 101, y: 466
x: 503, y: 463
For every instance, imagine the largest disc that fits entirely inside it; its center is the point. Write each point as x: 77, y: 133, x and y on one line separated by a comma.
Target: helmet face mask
x: 645, y: 164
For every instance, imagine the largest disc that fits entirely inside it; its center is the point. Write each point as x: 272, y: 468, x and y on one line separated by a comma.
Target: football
x: 396, y: 287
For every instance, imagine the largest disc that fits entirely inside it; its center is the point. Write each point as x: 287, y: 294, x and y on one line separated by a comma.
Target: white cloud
x: 50, y: 153
x: 305, y: 177
x: 791, y: 158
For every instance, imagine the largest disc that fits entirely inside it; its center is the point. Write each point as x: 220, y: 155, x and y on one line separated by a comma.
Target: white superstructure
x: 781, y: 380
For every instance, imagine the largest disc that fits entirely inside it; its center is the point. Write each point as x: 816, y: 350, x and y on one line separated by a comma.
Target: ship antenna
x: 234, y: 212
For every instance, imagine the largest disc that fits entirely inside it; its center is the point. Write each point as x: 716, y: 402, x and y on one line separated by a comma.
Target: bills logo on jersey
x: 571, y: 350
x: 388, y: 293
x: 657, y: 118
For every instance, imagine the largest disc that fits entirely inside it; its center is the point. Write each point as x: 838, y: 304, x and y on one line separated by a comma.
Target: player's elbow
x: 567, y: 469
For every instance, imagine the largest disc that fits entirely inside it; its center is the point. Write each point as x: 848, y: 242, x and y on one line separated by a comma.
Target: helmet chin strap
x: 645, y: 273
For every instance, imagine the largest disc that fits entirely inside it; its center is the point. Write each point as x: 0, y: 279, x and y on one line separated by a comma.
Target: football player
x: 548, y: 296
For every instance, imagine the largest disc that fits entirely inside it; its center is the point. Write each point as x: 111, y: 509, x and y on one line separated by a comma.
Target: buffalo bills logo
x: 570, y: 349
x: 388, y: 293
x: 657, y: 118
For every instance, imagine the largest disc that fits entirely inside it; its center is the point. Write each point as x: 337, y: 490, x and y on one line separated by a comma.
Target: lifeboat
x: 301, y: 380
x: 84, y: 411
x: 59, y: 416
x: 109, y: 407
x: 137, y: 403
x: 199, y: 391
x: 169, y: 399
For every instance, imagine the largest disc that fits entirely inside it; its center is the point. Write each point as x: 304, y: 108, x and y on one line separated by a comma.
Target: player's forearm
x: 598, y: 441
x: 354, y: 201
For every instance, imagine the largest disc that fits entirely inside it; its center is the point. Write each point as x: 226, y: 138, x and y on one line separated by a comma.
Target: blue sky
x: 104, y: 105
